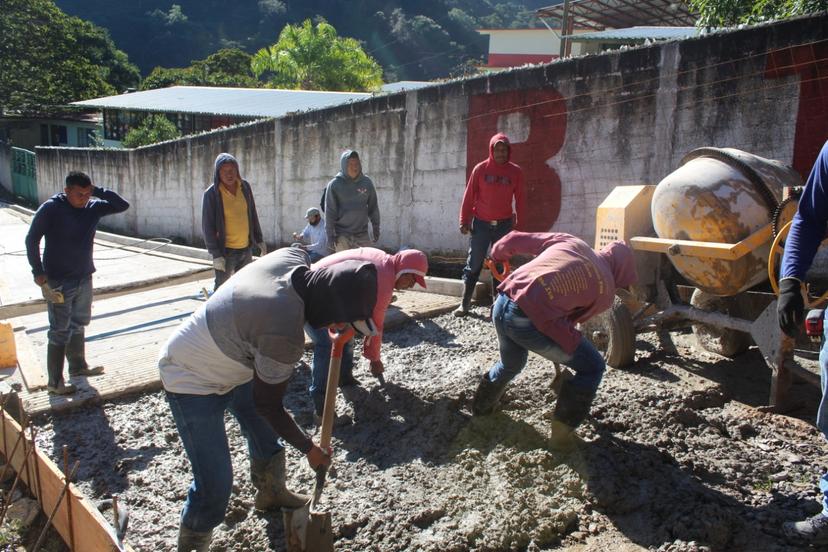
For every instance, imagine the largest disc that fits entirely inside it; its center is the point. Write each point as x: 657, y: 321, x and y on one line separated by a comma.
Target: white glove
x: 219, y: 264
x: 262, y: 248
x: 51, y: 295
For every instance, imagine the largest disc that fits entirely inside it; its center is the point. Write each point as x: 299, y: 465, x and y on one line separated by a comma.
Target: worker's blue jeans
x: 517, y: 335
x: 483, y: 234
x: 322, y: 346
x: 234, y: 260
x: 74, y: 313
x: 822, y: 412
x: 200, y: 422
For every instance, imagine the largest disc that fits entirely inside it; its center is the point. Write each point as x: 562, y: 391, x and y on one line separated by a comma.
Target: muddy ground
x: 677, y: 457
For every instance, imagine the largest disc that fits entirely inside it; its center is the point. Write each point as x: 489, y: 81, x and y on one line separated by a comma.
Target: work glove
x: 791, y: 306
x: 377, y: 368
x: 219, y: 264
x: 51, y: 295
x: 262, y: 248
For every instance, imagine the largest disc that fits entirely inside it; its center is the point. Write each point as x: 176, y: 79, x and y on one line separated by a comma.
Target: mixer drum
x: 723, y: 196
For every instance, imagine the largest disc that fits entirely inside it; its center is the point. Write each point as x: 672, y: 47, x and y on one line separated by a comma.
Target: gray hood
x: 343, y: 167
x: 221, y: 159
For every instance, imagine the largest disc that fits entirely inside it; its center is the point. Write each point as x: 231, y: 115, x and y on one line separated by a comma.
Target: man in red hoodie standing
x: 536, y: 310
x: 486, y: 211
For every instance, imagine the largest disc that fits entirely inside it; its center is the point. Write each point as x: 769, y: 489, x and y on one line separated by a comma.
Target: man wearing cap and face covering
x: 399, y: 271
x: 229, y: 220
x: 236, y: 353
x: 313, y: 237
x: 536, y: 310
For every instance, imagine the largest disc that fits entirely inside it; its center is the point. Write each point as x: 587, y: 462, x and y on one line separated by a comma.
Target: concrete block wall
x: 579, y: 128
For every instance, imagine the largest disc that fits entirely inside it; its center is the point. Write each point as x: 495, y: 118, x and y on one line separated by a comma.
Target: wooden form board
x: 31, y: 369
x: 90, y: 531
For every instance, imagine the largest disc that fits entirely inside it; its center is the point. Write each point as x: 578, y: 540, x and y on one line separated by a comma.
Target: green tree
x: 51, y: 59
x: 314, y: 57
x: 227, y: 67
x: 725, y: 13
x: 153, y: 129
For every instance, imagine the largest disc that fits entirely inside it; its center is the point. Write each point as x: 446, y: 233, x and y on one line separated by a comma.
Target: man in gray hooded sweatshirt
x: 350, y: 202
x: 229, y: 220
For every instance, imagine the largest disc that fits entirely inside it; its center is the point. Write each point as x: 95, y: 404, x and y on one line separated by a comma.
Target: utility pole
x: 565, y: 30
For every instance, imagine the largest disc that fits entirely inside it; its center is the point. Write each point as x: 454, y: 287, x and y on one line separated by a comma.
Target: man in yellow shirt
x: 229, y: 220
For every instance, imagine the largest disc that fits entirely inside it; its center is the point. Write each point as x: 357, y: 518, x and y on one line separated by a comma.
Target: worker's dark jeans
x: 322, y: 346
x: 822, y: 413
x: 234, y: 260
x: 517, y: 335
x: 74, y: 313
x: 200, y: 423
x: 483, y: 235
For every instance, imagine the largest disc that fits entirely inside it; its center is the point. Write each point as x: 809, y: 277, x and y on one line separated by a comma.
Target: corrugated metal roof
x: 241, y: 102
x: 602, y: 14
x: 635, y: 34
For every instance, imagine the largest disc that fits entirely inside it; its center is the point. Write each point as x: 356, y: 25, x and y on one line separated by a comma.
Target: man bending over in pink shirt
x: 536, y: 310
x: 399, y: 271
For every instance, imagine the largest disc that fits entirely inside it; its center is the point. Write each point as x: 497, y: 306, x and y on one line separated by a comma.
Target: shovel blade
x: 307, y: 531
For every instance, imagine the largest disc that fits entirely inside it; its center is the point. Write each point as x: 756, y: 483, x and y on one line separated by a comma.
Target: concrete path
x: 127, y: 332
x: 130, y: 264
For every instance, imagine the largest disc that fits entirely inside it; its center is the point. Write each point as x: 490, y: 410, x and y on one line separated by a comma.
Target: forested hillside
x: 412, y: 39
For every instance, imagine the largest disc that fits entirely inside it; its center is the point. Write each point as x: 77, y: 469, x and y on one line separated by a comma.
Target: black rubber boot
x: 54, y: 367
x: 465, y: 304
x: 487, y: 397
x: 573, y: 404
x: 571, y: 410
x: 76, y: 356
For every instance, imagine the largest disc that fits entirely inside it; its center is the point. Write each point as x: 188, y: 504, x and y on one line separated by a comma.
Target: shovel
x: 306, y: 528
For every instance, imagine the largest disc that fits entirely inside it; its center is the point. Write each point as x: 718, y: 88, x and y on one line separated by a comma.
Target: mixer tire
x: 722, y: 341
x: 613, y: 334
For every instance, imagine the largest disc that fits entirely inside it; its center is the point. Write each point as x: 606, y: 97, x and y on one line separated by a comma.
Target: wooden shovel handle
x: 339, y: 340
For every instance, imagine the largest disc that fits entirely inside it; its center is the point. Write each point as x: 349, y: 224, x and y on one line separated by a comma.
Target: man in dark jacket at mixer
x: 807, y: 231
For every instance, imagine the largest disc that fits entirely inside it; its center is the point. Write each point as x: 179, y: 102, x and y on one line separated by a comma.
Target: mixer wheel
x: 613, y: 334
x: 722, y: 341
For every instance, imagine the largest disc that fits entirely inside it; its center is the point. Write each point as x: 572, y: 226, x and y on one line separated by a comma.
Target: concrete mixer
x: 702, y: 239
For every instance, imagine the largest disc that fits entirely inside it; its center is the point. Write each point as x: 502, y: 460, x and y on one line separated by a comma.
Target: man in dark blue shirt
x: 807, y: 232
x: 68, y: 221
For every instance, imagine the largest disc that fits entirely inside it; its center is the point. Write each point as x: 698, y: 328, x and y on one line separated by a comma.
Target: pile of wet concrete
x: 676, y: 458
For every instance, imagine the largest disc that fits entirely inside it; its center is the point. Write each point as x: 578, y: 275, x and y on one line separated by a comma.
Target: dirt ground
x: 677, y: 458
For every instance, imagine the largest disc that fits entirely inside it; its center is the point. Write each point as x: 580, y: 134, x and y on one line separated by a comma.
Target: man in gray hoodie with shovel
x: 350, y: 203
x: 237, y: 354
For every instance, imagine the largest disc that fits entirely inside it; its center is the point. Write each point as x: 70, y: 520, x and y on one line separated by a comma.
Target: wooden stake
x: 36, y: 468
x: 2, y: 411
x: 68, y: 502
x: 115, y: 523
x: 24, y: 423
